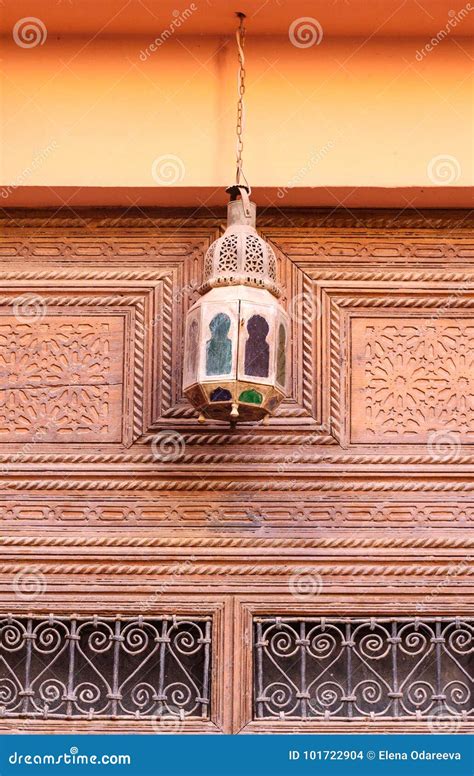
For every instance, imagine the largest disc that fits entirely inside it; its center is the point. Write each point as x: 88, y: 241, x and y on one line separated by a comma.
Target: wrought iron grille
x: 99, y: 667
x: 373, y: 667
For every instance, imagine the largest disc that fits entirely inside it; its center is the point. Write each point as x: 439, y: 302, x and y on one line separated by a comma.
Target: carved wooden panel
x: 61, y: 378
x: 357, y: 498
x: 406, y: 375
x: 412, y: 379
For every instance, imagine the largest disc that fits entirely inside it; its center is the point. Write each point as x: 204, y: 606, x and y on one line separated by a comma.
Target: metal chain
x: 240, y: 37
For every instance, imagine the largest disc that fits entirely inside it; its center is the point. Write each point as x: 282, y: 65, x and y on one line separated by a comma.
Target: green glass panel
x: 251, y: 397
x: 219, y: 347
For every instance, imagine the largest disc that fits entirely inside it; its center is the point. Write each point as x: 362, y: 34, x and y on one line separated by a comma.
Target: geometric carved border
x: 213, y: 512
x: 219, y: 513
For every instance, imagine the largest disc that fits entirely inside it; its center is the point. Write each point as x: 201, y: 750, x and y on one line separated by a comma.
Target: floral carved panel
x: 397, y: 367
x: 61, y: 378
x: 411, y: 379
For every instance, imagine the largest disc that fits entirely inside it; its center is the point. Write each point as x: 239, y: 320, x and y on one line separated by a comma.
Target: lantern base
x: 244, y: 403
x: 235, y: 413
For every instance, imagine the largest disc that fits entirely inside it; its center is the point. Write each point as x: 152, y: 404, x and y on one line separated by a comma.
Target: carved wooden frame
x: 337, y: 602
x: 245, y: 510
x: 218, y: 608
x: 358, y: 301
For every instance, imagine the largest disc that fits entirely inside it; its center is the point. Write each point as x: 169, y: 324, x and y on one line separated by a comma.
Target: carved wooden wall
x: 357, y: 498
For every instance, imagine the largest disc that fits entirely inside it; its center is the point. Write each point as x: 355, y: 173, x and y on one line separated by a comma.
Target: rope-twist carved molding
x: 319, y: 275
x: 166, y: 321
x: 269, y: 484
x: 92, y: 273
x: 335, y: 542
x: 225, y: 569
x: 328, y: 457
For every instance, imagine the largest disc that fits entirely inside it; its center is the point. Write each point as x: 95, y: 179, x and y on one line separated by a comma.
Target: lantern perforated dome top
x: 240, y: 255
x: 236, y: 341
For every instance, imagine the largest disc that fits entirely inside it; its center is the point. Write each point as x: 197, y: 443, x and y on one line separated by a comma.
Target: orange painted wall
x: 81, y: 112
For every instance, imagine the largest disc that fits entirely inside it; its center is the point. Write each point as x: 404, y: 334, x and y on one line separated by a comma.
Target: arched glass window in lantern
x: 237, y: 332
x: 236, y: 340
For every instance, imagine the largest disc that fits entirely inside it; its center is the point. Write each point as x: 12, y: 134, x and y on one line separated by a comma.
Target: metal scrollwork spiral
x: 51, y: 694
x: 137, y: 638
x: 369, y: 695
x: 328, y: 697
x: 187, y: 638
x: 9, y: 693
x: 416, y: 641
x: 280, y: 698
x: 460, y: 639
x: 12, y: 635
x: 458, y: 696
x: 50, y: 637
x: 282, y: 642
x: 372, y: 642
x: 324, y: 643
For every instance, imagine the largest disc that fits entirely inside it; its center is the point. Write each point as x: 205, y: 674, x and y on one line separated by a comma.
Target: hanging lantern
x: 235, y: 361
x: 235, y: 365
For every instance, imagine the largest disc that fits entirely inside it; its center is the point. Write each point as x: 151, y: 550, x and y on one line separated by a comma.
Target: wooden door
x: 276, y: 573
